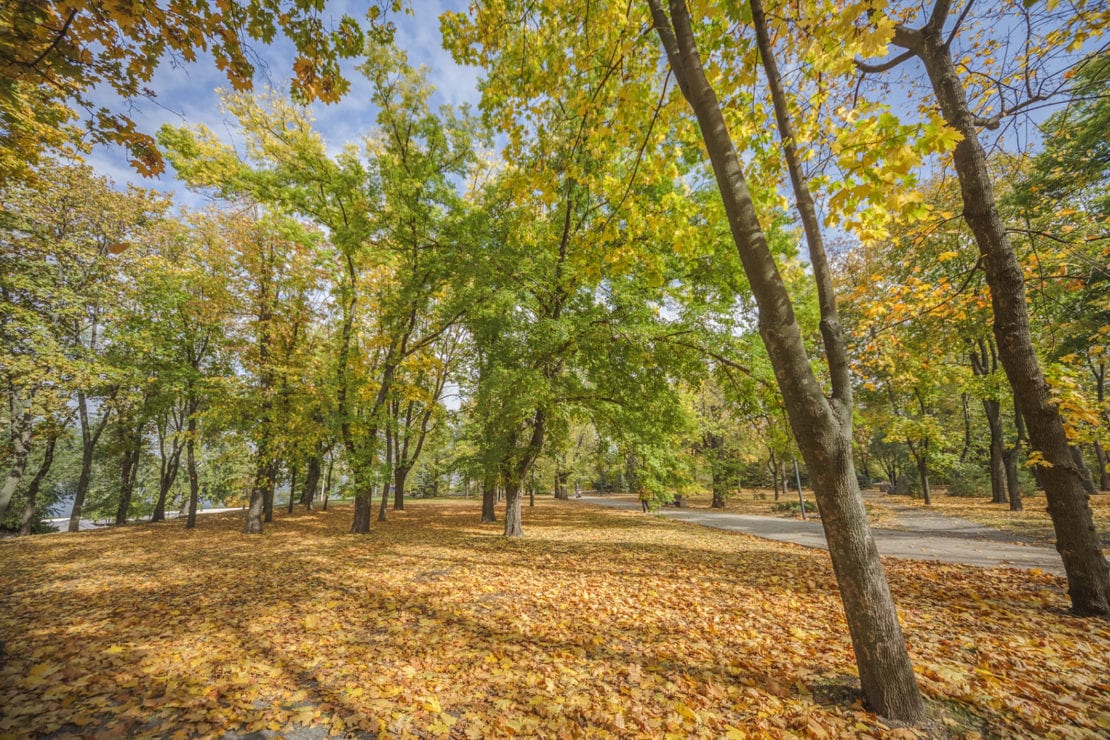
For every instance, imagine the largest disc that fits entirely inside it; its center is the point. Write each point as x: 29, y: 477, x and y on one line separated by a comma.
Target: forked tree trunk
x: 89, y: 438
x: 822, y: 426
x: 1065, y: 477
x: 36, y: 484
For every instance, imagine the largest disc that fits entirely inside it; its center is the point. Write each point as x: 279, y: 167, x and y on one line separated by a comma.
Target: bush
x: 793, y: 507
x: 969, y: 480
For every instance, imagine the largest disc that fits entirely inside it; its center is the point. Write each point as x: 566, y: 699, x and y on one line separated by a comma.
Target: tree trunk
x: 715, y: 446
x: 36, y: 483
x: 129, y: 473
x: 263, y: 481
x: 191, y: 471
x: 360, y: 524
x: 268, y: 494
x: 311, y: 480
x: 993, y: 411
x: 1065, y: 475
x: 388, y: 472
x: 489, y: 498
x: 822, y: 426
x: 327, y: 482
x: 292, y: 488
x: 1013, y: 483
x: 20, y: 421
x: 89, y: 438
x: 1104, y: 474
x: 561, y: 477
x: 923, y: 473
x: 513, y: 526
x: 400, y: 476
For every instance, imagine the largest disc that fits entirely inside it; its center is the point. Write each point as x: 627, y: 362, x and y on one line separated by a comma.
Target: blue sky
x: 186, y: 94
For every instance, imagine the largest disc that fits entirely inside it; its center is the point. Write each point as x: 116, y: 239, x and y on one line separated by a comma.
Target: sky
x: 187, y: 93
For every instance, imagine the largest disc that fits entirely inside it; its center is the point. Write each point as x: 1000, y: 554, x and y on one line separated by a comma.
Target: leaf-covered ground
x: 598, y: 624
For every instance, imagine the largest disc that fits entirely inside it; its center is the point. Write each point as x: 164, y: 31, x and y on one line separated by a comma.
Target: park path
x: 932, y: 537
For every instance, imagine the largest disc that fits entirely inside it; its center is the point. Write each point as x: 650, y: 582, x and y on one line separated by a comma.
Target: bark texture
x: 1065, y: 478
x: 822, y: 425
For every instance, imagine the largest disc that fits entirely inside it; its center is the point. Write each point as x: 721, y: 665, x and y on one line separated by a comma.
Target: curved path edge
x: 942, y: 546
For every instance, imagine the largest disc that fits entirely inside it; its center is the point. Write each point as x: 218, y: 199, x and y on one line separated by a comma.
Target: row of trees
x: 602, y: 280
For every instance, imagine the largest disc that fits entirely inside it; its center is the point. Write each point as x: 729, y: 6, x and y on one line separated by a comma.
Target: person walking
x: 645, y: 500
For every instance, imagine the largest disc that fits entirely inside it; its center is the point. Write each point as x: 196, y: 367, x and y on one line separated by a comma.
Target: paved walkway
x: 932, y: 537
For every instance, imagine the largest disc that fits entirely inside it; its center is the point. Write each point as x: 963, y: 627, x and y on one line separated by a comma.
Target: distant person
x: 578, y: 490
x: 645, y: 500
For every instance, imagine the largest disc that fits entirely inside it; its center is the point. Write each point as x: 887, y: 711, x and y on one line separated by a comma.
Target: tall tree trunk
x: 129, y: 472
x: 191, y: 471
x: 489, y: 497
x: 269, y: 493
x: 360, y: 523
x: 993, y: 411
x: 513, y: 526
x: 1013, y: 483
x: 923, y: 473
x: 169, y: 464
x: 967, y: 427
x: 715, y: 446
x: 292, y: 489
x: 327, y: 482
x: 36, y: 483
x: 264, y: 476
x: 561, y: 477
x: 20, y: 420
x: 516, y: 471
x: 89, y: 438
x: 312, y: 479
x: 822, y: 426
x: 388, y: 472
x: 1065, y: 477
x: 400, y: 476
x: 1104, y: 474
x: 1099, y: 371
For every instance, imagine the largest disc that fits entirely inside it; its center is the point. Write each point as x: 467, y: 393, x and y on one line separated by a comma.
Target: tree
x: 1064, y: 474
x: 53, y: 55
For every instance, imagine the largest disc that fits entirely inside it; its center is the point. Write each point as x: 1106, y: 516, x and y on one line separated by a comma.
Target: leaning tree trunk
x: 36, y: 483
x: 822, y: 426
x: 1065, y: 478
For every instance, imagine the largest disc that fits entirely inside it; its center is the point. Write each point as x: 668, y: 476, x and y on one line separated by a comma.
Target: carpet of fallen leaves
x: 1031, y: 524
x: 597, y: 624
